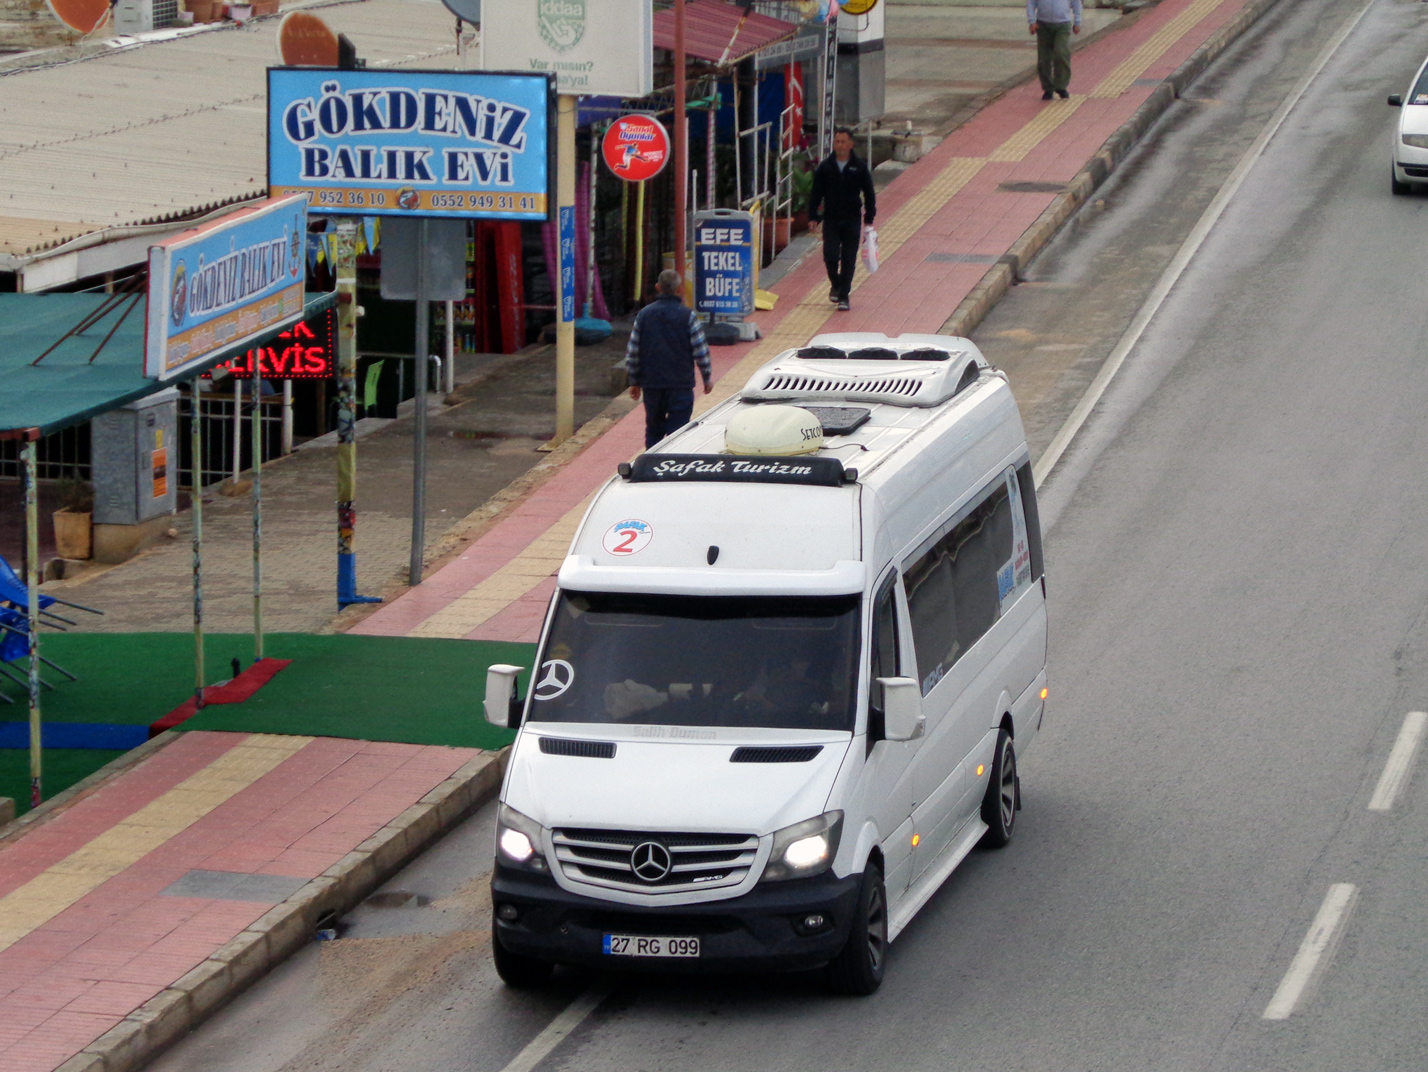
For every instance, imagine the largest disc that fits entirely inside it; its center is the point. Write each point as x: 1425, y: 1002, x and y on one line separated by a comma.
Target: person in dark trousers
x: 1053, y: 22
x: 843, y: 201
x: 666, y: 343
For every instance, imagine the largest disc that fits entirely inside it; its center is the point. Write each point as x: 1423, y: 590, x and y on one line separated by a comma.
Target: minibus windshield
x: 781, y: 662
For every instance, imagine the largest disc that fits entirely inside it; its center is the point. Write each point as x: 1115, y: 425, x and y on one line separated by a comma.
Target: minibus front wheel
x: 858, y: 968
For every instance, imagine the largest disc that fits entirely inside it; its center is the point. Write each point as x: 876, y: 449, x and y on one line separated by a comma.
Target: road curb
x: 998, y: 279
x: 277, y: 934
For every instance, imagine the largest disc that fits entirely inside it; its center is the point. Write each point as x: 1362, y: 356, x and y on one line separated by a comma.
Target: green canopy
x: 83, y: 376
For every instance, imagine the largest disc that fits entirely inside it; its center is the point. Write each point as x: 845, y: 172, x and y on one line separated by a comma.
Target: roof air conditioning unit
x: 143, y: 16
x: 907, y: 370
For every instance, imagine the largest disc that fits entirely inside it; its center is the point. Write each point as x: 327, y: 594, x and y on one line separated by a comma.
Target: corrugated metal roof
x: 720, y: 32
x: 168, y: 128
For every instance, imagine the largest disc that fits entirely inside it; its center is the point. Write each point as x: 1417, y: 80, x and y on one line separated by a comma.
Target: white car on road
x: 1410, y: 140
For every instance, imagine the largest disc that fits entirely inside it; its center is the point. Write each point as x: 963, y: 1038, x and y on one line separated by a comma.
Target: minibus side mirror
x: 502, y: 707
x: 1395, y: 101
x: 902, y: 708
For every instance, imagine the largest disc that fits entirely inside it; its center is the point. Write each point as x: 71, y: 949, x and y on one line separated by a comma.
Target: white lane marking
x: 1183, y: 256
x: 1315, y: 951
x: 1400, y: 761
x: 557, y: 1030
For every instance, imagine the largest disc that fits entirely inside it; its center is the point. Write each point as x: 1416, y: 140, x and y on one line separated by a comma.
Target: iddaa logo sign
x: 562, y: 23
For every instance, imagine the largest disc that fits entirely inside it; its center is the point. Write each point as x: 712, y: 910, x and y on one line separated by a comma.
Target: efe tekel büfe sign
x: 412, y: 143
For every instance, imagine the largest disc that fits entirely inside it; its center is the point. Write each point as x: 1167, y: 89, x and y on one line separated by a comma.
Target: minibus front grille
x: 666, y: 862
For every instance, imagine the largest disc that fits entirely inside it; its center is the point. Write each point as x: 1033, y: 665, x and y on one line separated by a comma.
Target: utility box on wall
x: 135, y: 460
x: 862, y: 85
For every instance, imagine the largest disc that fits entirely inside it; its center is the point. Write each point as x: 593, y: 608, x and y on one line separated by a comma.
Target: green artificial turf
x: 62, y: 768
x: 405, y: 689
x: 127, y: 678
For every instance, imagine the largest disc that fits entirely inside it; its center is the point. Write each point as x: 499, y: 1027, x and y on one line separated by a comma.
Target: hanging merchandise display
x: 636, y: 147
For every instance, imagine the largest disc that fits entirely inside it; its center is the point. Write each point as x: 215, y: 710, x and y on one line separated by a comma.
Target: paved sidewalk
x: 133, y: 890
x: 942, y: 223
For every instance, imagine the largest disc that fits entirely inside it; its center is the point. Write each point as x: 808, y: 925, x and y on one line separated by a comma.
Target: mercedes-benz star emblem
x: 651, y: 861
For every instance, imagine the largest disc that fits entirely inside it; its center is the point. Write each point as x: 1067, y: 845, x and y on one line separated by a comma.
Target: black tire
x: 858, y: 968
x: 1396, y: 186
x: 516, y: 969
x: 1003, y: 799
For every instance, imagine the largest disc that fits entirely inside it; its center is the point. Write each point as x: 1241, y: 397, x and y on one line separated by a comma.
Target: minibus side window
x: 955, y: 589
x: 1033, y: 518
x: 883, y: 661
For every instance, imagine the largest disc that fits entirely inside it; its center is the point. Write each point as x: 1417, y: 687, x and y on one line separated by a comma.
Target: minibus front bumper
x: 763, y: 929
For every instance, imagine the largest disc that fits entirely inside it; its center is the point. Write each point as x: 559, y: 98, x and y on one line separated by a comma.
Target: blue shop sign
x: 724, y: 263
x: 473, y: 144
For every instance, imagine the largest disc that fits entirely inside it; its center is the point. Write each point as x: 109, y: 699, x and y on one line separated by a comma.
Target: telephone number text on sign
x: 410, y: 200
x: 475, y: 143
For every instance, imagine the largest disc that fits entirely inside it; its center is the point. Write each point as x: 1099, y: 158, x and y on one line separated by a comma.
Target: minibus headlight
x: 804, y: 849
x: 518, y: 840
x: 1418, y: 141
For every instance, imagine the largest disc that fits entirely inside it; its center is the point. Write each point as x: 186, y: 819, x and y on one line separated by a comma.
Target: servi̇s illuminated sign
x: 306, y: 351
x: 412, y: 143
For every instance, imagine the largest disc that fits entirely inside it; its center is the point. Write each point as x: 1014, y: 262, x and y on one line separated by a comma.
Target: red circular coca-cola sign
x: 636, y: 147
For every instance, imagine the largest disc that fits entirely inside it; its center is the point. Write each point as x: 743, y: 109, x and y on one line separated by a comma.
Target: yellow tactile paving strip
x: 543, y: 557
x: 1134, y: 65
x: 64, y: 884
x: 509, y: 583
x: 1015, y: 148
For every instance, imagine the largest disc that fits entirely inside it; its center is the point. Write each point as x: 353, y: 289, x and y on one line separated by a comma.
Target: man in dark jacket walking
x: 843, y: 201
x: 666, y: 343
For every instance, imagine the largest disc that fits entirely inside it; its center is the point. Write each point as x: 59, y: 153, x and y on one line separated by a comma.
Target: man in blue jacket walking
x: 666, y: 343
x: 1053, y: 22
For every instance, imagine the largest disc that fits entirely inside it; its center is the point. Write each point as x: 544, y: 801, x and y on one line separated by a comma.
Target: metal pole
x: 32, y: 613
x: 681, y: 142
x: 420, y: 368
x: 639, y: 288
x: 287, y: 444
x: 565, y: 304
x: 237, y: 429
x: 195, y: 440
x: 449, y: 376
x: 257, y: 421
x: 345, y: 267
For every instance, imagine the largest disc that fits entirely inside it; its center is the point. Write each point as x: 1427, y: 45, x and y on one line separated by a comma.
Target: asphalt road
x: 1238, y: 574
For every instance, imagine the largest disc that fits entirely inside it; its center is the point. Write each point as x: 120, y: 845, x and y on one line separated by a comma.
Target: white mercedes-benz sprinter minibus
x: 793, y: 656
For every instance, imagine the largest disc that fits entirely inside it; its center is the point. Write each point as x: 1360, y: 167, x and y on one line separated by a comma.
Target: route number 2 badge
x: 627, y: 537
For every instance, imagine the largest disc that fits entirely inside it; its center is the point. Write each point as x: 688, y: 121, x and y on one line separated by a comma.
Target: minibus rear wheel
x: 858, y: 968
x: 516, y: 969
x: 1003, y: 799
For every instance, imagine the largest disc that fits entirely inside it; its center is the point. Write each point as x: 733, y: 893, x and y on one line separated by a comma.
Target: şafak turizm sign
x: 412, y: 143
x: 225, y: 283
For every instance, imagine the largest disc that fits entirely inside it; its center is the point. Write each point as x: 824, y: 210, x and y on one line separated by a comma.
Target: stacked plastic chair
x: 15, y: 626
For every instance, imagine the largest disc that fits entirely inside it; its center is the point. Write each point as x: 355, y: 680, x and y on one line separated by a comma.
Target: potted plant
x: 73, y: 533
x: 801, y: 189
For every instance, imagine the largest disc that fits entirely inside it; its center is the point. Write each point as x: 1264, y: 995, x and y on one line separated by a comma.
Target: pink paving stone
x: 111, y: 998
x: 301, y: 863
x: 158, y: 968
x: 441, y: 760
x: 28, y: 1056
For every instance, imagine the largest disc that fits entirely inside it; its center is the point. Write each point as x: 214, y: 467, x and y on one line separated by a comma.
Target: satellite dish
x: 305, y: 40
x: 86, y: 16
x: 470, y: 10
